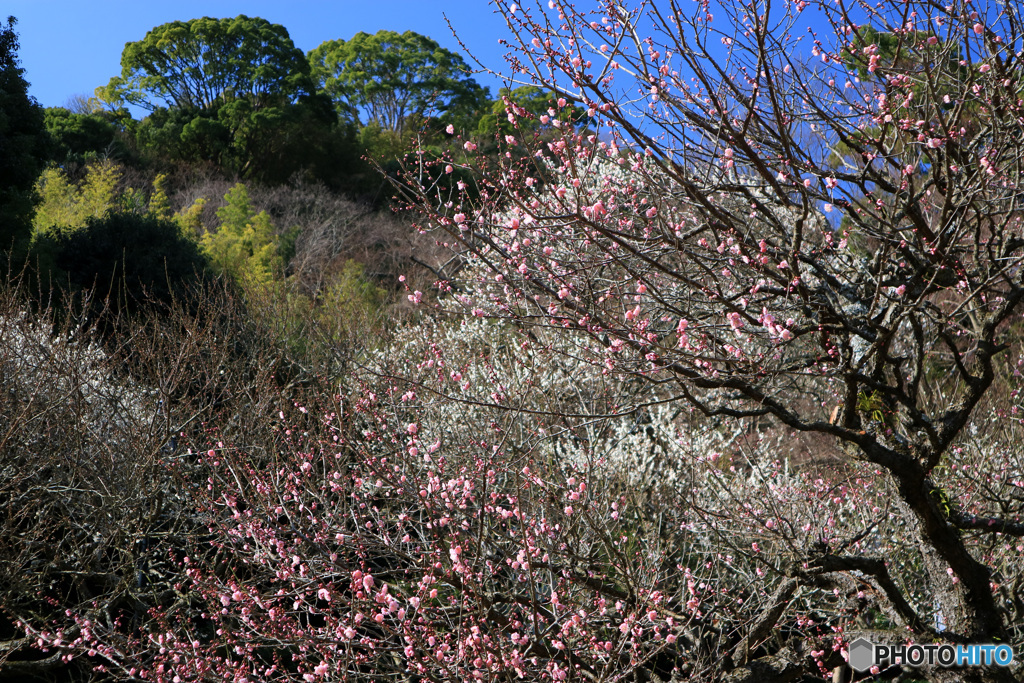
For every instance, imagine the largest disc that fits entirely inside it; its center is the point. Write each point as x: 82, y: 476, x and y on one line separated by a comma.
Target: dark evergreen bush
x: 128, y: 261
x: 24, y: 145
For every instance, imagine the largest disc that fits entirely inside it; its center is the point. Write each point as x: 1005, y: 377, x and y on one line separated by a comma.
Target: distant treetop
x: 201, y: 63
x: 386, y: 77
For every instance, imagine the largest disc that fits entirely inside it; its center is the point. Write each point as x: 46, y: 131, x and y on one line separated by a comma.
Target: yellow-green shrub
x: 244, y: 246
x: 67, y: 206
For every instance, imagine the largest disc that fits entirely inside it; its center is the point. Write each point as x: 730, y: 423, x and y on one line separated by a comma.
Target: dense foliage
x: 79, y: 136
x: 203, y: 63
x: 23, y: 144
x: 126, y: 261
x: 388, y: 77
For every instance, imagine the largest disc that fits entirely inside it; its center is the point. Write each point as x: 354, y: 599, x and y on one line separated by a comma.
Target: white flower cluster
x: 44, y: 372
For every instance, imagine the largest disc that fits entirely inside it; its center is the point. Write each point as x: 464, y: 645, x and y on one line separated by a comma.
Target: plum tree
x: 711, y: 240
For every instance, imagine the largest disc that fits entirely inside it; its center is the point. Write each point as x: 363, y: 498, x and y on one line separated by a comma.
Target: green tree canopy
x: 23, y: 144
x: 387, y: 77
x: 269, y: 144
x: 235, y: 93
x: 79, y: 137
x: 201, y: 63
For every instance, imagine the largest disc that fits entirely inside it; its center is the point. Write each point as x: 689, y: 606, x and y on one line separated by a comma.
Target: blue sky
x: 70, y: 47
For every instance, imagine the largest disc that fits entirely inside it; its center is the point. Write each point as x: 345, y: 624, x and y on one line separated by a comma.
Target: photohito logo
x: 864, y: 654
